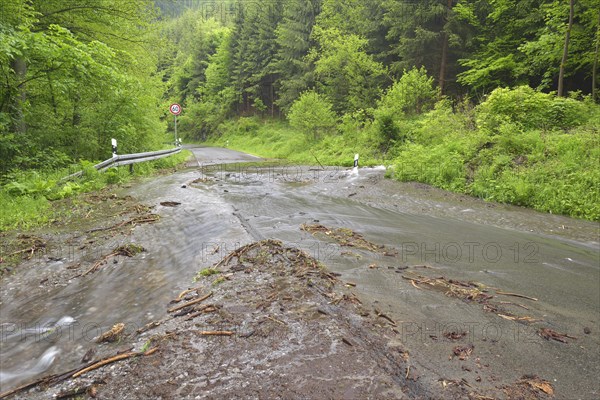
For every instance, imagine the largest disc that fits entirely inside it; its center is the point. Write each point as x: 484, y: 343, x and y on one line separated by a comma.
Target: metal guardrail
x: 127, y: 159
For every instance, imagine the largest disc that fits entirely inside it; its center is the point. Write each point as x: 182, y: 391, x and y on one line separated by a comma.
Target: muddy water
x: 553, y: 259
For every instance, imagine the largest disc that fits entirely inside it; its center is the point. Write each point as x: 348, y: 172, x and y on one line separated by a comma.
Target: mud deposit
x: 267, y: 321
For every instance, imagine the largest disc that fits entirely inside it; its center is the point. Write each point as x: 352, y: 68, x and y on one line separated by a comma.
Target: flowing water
x: 554, y: 259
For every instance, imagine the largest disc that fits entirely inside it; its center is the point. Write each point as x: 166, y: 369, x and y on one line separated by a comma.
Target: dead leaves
x: 463, y: 352
x: 112, y: 335
x: 454, y: 335
x: 529, y: 387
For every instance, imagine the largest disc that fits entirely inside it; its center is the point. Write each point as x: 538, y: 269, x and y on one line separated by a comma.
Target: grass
x: 276, y: 139
x: 26, y: 198
x: 550, y: 169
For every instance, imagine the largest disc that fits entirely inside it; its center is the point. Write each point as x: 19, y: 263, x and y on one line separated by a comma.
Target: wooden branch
x: 516, y: 295
x: 275, y: 320
x: 74, y: 373
x: 99, y: 263
x: 104, y: 362
x: 216, y: 333
x: 133, y: 221
x: 190, y: 303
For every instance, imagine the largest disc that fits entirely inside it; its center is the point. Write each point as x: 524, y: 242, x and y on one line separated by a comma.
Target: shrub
x: 530, y: 109
x: 312, y: 114
x: 413, y: 94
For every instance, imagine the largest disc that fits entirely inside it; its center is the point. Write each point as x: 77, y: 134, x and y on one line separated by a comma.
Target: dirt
x: 277, y: 324
x: 267, y: 321
x: 85, y: 222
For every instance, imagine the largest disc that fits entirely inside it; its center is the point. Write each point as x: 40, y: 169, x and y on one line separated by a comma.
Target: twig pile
x: 345, y: 237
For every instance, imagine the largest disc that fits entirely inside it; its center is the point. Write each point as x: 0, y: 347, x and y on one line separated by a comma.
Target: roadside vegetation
x: 73, y: 78
x: 27, y: 200
x: 486, y: 98
x: 544, y: 155
x: 476, y: 97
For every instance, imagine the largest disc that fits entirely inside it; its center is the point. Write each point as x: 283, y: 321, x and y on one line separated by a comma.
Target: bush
x: 312, y: 114
x: 413, y: 94
x: 530, y: 109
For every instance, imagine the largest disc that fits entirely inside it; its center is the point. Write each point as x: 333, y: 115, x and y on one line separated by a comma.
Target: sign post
x: 175, y: 109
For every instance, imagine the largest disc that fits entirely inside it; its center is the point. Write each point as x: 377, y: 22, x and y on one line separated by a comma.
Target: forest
x: 494, y: 98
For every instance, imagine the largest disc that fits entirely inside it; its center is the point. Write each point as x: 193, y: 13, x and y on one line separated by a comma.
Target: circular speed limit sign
x: 175, y: 109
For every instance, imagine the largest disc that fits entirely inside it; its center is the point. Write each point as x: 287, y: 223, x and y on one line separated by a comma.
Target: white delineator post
x: 114, y: 147
x: 356, y: 161
x: 175, y: 109
x: 175, y: 129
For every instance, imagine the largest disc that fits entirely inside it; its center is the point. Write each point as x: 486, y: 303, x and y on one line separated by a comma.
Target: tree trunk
x: 444, y: 60
x: 561, y: 74
x: 19, y: 66
x: 272, y: 98
x: 595, y: 67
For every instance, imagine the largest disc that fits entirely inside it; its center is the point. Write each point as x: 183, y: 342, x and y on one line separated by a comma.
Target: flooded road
x: 553, y: 259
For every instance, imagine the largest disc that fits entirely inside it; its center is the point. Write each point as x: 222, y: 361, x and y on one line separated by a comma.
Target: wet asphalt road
x: 515, y: 250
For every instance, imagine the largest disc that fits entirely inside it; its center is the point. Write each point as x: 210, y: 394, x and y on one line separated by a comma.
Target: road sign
x: 175, y: 109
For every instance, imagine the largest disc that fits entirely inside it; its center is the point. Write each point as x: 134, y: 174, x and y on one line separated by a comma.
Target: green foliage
x: 414, y: 93
x: 293, y: 37
x: 206, y: 272
x: 347, y: 74
x: 25, y: 200
x: 530, y: 109
x: 22, y: 211
x: 75, y: 78
x: 312, y: 114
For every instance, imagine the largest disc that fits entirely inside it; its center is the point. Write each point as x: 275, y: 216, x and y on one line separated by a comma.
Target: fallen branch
x: 104, y: 362
x: 208, y: 308
x: 382, y: 315
x: 74, y: 373
x: 275, y: 320
x: 128, y: 250
x: 548, y: 334
x: 190, y: 303
x: 216, y: 333
x: 35, y: 245
x: 134, y: 221
x: 97, y: 265
x: 148, y: 326
x: 516, y: 295
x: 181, y: 295
x: 514, y: 304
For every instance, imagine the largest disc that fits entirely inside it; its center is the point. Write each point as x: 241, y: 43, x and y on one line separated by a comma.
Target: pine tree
x: 293, y: 36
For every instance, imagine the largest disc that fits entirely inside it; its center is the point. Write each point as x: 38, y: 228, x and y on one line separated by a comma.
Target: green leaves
x: 75, y: 76
x: 530, y: 109
x: 348, y: 75
x: 413, y: 94
x: 312, y: 114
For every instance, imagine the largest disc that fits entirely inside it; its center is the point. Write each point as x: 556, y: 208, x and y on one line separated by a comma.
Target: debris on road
x: 463, y: 352
x: 550, y: 334
x: 169, y: 203
x: 112, y: 335
x: 347, y: 237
